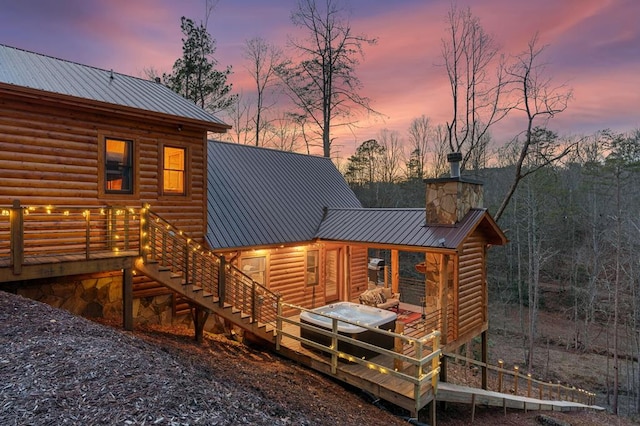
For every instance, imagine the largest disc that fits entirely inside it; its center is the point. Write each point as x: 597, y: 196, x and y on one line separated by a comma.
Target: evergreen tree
x: 194, y: 75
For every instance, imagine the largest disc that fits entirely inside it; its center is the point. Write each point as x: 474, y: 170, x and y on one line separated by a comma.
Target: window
x: 118, y: 166
x: 312, y: 268
x: 255, y: 268
x: 173, y: 170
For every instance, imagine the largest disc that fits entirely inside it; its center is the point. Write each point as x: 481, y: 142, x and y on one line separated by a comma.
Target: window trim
x: 264, y: 261
x: 187, y: 170
x: 307, y: 274
x: 102, y: 165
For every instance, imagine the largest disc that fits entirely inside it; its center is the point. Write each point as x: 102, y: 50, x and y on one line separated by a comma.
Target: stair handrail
x: 222, y: 279
x: 571, y: 393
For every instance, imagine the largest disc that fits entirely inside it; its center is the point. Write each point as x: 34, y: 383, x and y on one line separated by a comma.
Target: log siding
x: 49, y: 154
x: 471, y: 285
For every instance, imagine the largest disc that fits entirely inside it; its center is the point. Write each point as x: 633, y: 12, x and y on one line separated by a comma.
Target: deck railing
x: 31, y: 234
x: 196, y: 266
x: 420, y: 369
x: 523, y: 384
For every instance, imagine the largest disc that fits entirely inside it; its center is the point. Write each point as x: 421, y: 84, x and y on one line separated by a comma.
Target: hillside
x: 60, y: 369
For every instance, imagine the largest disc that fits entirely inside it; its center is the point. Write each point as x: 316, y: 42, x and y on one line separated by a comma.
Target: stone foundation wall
x: 99, y: 296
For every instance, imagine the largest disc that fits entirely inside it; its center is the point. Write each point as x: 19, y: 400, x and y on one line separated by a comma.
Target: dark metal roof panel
x: 259, y: 197
x: 406, y: 227
x: 35, y: 71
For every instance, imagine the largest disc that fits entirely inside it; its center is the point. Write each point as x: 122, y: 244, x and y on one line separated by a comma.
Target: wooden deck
x: 384, y: 376
x: 50, y: 265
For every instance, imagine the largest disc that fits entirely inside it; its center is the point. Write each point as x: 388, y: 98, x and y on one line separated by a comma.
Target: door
x: 333, y: 275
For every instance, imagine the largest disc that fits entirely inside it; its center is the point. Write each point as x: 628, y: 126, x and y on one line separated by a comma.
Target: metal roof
x: 35, y: 71
x: 261, y: 197
x: 405, y: 227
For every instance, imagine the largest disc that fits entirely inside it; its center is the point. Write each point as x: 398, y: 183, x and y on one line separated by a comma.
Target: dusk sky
x: 594, y: 47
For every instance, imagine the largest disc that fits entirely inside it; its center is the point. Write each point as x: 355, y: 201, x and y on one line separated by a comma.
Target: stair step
x: 162, y: 268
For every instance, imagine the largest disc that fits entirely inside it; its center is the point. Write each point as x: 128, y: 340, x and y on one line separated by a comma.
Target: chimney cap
x: 453, y: 157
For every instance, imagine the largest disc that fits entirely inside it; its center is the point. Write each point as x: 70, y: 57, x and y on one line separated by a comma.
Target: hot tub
x: 353, y: 312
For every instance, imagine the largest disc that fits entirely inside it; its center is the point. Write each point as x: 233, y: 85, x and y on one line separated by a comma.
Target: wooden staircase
x: 205, y: 279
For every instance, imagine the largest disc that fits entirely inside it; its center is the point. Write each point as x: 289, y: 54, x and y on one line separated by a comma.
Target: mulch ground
x: 56, y: 369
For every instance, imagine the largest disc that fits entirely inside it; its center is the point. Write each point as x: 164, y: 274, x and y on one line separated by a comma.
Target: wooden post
x: 540, y: 386
x: 127, y: 299
x: 397, y: 346
x: 485, y: 358
x: 16, y: 219
x: 473, y: 407
x: 500, y: 369
x: 200, y: 317
x: 441, y: 302
x: 127, y: 236
x: 515, y: 379
x: 87, y: 233
x: 432, y: 413
x: 559, y: 390
x: 395, y: 272
x: 529, y: 385
x: 443, y: 369
x: 278, y: 320
x: 222, y: 279
x: 334, y: 345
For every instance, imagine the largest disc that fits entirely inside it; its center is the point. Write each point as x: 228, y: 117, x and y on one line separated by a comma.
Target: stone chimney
x: 449, y: 199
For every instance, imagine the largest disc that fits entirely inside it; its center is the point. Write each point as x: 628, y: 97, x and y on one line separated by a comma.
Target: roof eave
x: 138, y: 113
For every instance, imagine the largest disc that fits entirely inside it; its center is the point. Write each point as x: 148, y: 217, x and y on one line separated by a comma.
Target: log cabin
x: 114, y: 203
x: 74, y: 135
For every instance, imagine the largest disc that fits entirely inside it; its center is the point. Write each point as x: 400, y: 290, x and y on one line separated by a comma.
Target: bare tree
x: 419, y: 135
x: 322, y: 83
x: 391, y: 154
x: 263, y: 60
x: 539, y: 101
x: 468, y: 54
x: 439, y: 163
x: 284, y: 133
x: 239, y: 115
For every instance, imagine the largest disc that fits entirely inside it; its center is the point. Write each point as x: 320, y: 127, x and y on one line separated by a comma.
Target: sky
x: 593, y: 46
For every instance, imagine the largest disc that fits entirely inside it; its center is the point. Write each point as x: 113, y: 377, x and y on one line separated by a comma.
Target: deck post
x: 432, y: 413
x: 395, y: 271
x: 200, y: 317
x: 16, y: 220
x: 398, y: 343
x: 500, y: 370
x: 485, y: 357
x: 334, y: 345
x: 278, y: 324
x: 222, y: 279
x: 87, y: 234
x: 144, y: 233
x: 127, y: 299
